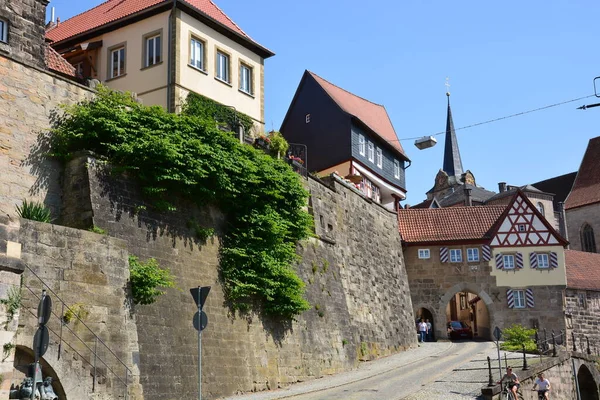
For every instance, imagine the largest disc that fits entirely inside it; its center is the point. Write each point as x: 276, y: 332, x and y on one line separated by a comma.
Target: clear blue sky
x: 502, y: 58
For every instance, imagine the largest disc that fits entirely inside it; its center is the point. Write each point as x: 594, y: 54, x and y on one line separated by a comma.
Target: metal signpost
x: 41, y: 338
x: 497, y: 336
x: 200, y: 321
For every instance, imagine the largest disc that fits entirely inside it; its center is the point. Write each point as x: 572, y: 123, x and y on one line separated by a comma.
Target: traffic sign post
x: 200, y: 321
x: 41, y: 338
x: 497, y: 336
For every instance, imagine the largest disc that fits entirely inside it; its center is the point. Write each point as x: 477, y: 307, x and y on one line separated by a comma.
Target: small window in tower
x: 521, y: 228
x: 307, y: 118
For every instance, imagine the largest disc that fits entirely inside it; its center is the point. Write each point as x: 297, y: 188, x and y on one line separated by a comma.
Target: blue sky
x: 502, y: 58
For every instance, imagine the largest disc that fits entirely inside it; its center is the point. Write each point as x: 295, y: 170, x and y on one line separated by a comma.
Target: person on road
x: 543, y: 385
x: 513, y: 381
x: 422, y: 331
x: 429, y: 333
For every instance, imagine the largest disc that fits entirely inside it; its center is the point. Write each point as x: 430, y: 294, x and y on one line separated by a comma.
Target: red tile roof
x: 583, y: 270
x: 113, y: 10
x: 57, y: 63
x: 372, y: 115
x: 447, y: 224
x: 586, y: 189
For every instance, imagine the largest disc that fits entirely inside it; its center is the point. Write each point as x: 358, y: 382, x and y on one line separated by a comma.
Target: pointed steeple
x: 452, y: 161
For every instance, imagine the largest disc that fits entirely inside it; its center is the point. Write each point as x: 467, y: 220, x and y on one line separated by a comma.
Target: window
x: 117, y: 62
x: 455, y: 255
x: 223, y: 66
x: 197, y: 53
x: 519, y: 296
x: 245, y: 79
x: 424, y: 254
x: 396, y: 169
x: 361, y: 145
x: 371, y: 152
x: 152, y: 50
x: 473, y: 255
x: 509, y: 261
x: 521, y: 228
x: 79, y: 69
x: 379, y: 158
x: 588, y: 241
x: 307, y: 118
x: 582, y: 300
x: 543, y: 261
x: 540, y: 208
x: 3, y: 30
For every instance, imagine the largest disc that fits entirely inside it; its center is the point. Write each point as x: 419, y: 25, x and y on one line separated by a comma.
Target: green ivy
x: 186, y: 155
x: 146, y: 278
x: 209, y: 109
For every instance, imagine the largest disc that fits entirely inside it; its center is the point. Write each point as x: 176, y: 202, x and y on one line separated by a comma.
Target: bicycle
x: 541, y: 394
x: 507, y: 394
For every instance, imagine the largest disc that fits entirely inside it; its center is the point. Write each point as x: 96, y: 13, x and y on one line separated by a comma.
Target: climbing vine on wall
x: 185, y: 155
x: 209, y: 109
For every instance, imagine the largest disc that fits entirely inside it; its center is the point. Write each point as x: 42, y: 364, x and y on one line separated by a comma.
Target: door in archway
x: 468, y: 317
x: 426, y: 315
x: 587, y: 385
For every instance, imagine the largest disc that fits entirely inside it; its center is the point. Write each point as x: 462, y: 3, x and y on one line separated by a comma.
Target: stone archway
x: 468, y: 303
x: 587, y: 384
x: 24, y: 357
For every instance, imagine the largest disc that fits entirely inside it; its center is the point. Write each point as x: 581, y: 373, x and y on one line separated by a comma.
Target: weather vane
x: 447, y: 84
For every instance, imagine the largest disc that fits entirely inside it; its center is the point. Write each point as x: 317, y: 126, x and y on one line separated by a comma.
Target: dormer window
x: 379, y: 158
x: 361, y: 145
x: 371, y: 155
x: 3, y: 30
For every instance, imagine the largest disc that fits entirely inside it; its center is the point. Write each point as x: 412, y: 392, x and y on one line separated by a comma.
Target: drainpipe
x: 563, y: 221
x: 468, y: 198
x: 170, y: 72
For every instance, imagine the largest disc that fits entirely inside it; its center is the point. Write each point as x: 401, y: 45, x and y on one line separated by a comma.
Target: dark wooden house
x: 349, y: 135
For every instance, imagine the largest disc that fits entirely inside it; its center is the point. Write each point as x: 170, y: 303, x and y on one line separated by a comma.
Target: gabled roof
x: 560, y: 186
x: 433, y: 203
x: 116, y: 10
x: 447, y: 224
x: 374, y: 116
x: 586, y: 189
x: 478, y: 195
x: 57, y: 63
x: 513, y: 189
x: 583, y: 270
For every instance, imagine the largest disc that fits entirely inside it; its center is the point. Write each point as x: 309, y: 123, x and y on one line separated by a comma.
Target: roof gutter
x: 170, y: 68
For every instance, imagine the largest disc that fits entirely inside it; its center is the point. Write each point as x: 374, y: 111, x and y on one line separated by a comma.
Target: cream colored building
x: 164, y: 50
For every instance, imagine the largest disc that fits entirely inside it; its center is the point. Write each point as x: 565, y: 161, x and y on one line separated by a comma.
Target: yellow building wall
x: 206, y: 83
x: 149, y: 83
x: 528, y: 276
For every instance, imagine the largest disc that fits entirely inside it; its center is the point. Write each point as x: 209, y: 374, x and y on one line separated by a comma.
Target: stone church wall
x: 576, y: 218
x: 354, y: 271
x: 583, y: 319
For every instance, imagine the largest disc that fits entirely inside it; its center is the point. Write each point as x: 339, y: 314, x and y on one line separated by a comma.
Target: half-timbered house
x: 486, y: 266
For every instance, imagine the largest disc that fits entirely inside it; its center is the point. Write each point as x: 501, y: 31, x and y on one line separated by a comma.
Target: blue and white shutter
x: 533, y: 260
x: 553, y: 260
x: 510, y: 298
x: 486, y: 252
x: 444, y: 254
x: 519, y: 260
x: 499, y: 261
x: 529, y: 298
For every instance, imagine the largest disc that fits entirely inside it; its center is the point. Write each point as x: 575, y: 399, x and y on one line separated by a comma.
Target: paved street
x: 442, y: 370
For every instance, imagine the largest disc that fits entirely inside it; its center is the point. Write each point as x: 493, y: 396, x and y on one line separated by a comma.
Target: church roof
x: 586, y: 189
x: 560, y: 186
x: 478, y: 195
x: 452, y: 161
x: 447, y: 224
x: 513, y: 189
x: 374, y: 116
x: 583, y: 270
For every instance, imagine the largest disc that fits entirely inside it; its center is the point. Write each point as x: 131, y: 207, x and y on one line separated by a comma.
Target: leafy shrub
x: 278, y: 143
x: 77, y: 311
x: 206, y: 108
x: 146, y: 278
x: 12, y: 303
x: 516, y: 336
x: 97, y: 230
x: 34, y: 211
x: 185, y: 155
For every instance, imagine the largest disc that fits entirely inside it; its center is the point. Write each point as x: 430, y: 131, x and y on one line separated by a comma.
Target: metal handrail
x: 96, y: 337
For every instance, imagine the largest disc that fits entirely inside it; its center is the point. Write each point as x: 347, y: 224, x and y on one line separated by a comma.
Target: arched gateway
x: 469, y: 304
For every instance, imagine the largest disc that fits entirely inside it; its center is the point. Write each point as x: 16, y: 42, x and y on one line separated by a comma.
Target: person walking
x: 422, y: 331
x: 429, y: 332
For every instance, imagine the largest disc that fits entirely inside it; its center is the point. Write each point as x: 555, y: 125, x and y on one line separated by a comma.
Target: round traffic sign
x: 200, y: 323
x: 40, y: 341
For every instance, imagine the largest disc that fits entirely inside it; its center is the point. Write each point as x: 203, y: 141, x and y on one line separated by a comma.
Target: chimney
x: 57, y: 21
x: 502, y: 187
x: 468, y: 198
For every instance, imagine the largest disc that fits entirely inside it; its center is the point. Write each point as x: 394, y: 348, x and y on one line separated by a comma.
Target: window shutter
x: 519, y: 259
x: 529, y: 298
x: 533, y: 260
x: 553, y: 260
x: 510, y: 298
x: 443, y: 254
x: 499, y: 261
x: 486, y: 252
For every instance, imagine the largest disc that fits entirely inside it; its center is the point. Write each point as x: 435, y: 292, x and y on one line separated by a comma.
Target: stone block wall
x: 576, y: 218
x: 583, y: 318
x: 90, y: 271
x: 26, y: 30
x: 28, y: 98
x: 355, y: 276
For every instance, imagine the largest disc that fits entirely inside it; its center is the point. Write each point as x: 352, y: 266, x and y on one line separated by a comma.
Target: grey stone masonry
x: 583, y: 319
x: 26, y: 30
x: 354, y: 274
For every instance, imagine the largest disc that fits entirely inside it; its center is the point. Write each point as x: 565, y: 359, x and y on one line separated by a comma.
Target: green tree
x: 516, y: 336
x: 146, y: 279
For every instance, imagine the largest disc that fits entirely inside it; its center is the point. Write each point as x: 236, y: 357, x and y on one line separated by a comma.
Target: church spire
x: 452, y: 161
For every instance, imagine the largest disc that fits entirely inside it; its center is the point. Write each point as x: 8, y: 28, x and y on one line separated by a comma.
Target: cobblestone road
x: 443, y: 370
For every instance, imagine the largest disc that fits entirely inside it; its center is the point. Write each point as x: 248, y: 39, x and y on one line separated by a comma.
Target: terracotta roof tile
x: 583, y: 270
x: 586, y: 189
x: 113, y: 10
x: 372, y: 115
x: 57, y: 63
x: 447, y: 224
